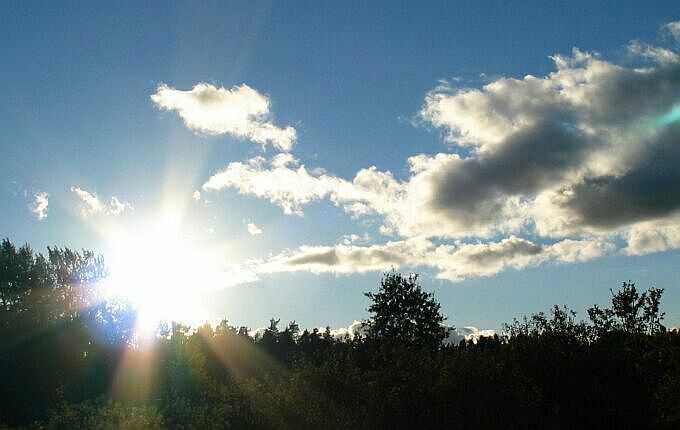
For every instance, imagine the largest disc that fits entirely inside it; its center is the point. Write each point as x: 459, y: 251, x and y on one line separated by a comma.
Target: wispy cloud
x: 40, y: 203
x: 116, y: 207
x: 674, y: 29
x: 241, y: 111
x: 90, y: 204
x: 452, y: 262
x: 655, y: 53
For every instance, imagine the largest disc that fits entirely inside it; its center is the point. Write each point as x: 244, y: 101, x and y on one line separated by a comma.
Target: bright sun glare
x: 163, y: 274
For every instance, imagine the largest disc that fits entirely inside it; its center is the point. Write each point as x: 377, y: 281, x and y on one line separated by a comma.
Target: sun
x: 163, y: 273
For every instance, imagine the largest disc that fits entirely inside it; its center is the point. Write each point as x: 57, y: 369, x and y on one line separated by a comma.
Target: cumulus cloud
x: 653, y: 237
x: 90, y: 204
x: 196, y: 196
x: 40, y: 203
x: 240, y: 111
x: 469, y: 333
x: 253, y: 229
x: 406, y: 207
x: 647, y: 189
x: 357, y: 328
x: 280, y: 181
x: 576, y: 159
x: 581, y: 141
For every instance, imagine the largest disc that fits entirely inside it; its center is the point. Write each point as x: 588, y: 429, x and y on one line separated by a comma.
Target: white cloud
x: 257, y: 333
x: 40, y: 203
x: 653, y: 237
x: 196, y: 196
x: 240, y: 111
x: 253, y: 229
x: 674, y: 29
x: 574, y: 159
x: 357, y: 328
x: 90, y: 204
x: 280, y: 181
x: 455, y: 335
x: 286, y: 183
x: 551, y: 141
x: 116, y: 207
x: 655, y: 53
x: 452, y: 262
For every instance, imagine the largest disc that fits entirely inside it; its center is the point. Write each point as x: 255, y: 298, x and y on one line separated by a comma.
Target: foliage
x: 631, y: 312
x: 67, y: 360
x: 98, y: 415
x: 404, y: 313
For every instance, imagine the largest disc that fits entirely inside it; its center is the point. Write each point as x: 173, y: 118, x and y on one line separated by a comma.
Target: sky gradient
x: 516, y: 156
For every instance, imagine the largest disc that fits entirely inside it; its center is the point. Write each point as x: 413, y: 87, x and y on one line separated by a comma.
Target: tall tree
x: 404, y: 313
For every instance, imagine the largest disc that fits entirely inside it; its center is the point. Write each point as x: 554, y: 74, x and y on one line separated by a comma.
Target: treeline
x: 69, y: 359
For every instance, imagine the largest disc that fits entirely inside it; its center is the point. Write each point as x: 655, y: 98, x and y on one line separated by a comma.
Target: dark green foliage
x: 58, y: 340
x: 68, y: 360
x: 101, y: 415
x: 403, y: 313
x: 631, y: 312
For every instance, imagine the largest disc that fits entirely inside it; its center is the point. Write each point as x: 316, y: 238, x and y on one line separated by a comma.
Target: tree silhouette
x: 631, y: 312
x: 404, y: 313
x: 70, y: 360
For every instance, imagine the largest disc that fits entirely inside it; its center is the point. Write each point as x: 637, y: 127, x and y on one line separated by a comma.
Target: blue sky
x: 546, y: 190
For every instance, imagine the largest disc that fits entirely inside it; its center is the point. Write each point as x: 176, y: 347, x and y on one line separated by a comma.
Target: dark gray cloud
x: 548, y: 134
x: 374, y: 256
x: 326, y: 258
x: 625, y: 94
x: 506, y: 250
x: 350, y: 256
x: 648, y: 190
x: 531, y: 160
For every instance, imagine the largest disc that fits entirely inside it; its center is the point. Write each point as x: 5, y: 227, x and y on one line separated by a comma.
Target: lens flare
x: 667, y: 118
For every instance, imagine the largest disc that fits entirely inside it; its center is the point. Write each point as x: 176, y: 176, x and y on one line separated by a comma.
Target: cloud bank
x: 451, y: 262
x: 240, y: 111
x: 560, y: 167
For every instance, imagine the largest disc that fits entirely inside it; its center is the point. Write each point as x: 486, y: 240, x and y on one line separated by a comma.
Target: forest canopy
x: 71, y: 358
